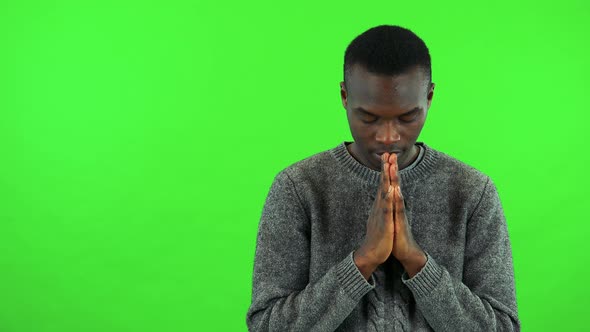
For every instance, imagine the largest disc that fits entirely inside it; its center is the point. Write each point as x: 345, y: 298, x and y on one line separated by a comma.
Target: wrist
x: 415, y: 263
x: 366, y: 257
x: 364, y: 263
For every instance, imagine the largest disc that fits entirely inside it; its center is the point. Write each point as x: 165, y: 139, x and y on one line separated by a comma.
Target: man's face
x: 385, y: 113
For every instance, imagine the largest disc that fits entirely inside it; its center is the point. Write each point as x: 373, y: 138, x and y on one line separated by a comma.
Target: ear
x: 430, y: 94
x: 343, y: 94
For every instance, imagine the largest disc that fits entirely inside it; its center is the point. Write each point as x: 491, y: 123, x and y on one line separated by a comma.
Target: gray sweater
x: 314, y: 218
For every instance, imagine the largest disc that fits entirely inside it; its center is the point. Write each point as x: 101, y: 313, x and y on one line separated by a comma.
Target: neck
x: 344, y: 156
x: 407, y: 161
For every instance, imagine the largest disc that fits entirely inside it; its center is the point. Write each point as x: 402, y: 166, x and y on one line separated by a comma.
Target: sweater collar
x: 422, y: 169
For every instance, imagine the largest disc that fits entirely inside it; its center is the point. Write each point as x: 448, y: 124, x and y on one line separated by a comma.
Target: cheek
x: 413, y: 131
x: 362, y: 130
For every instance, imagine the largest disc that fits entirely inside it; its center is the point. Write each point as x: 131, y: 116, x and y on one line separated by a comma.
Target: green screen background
x: 139, y: 141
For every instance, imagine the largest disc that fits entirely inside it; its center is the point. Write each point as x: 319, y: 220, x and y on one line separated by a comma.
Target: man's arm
x: 486, y: 299
x: 282, y: 297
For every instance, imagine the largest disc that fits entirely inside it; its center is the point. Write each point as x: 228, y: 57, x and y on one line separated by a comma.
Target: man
x: 384, y: 233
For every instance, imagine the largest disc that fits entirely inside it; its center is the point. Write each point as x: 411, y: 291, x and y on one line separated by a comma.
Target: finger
x: 393, y: 176
x: 387, y: 208
x: 385, y: 172
x: 387, y: 193
x: 392, y: 158
x: 382, y: 175
x: 400, y: 211
x: 389, y: 196
x: 390, y: 212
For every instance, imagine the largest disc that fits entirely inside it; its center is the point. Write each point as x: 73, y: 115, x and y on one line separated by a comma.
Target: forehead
x: 403, y: 90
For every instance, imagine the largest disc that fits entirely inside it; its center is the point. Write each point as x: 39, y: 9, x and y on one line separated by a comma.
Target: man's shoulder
x: 313, y: 166
x: 323, y: 165
x: 457, y: 170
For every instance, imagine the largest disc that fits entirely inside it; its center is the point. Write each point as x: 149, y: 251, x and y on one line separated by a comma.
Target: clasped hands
x: 388, y: 230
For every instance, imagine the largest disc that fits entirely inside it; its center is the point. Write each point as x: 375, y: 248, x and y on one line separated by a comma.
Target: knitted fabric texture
x: 314, y: 218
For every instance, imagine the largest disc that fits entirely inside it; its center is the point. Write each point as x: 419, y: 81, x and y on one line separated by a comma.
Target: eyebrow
x: 362, y: 110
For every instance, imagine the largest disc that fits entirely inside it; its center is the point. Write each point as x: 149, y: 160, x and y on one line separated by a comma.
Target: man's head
x: 387, y: 91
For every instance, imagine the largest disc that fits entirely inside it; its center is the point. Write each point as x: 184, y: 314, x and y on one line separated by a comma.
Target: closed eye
x: 369, y: 121
x: 409, y: 118
x: 367, y: 117
x: 411, y: 115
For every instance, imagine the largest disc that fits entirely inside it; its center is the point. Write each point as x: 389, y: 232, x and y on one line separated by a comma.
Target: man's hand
x: 404, y: 248
x: 378, y: 243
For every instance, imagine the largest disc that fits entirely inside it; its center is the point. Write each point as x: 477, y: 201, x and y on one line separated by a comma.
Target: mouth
x: 378, y: 154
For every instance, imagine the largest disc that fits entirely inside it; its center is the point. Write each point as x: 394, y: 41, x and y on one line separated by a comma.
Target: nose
x: 387, y: 134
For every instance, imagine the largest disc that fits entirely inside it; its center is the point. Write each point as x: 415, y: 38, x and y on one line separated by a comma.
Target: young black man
x: 384, y: 233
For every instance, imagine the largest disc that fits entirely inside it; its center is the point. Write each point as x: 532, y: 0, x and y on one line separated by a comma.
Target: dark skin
x: 386, y: 115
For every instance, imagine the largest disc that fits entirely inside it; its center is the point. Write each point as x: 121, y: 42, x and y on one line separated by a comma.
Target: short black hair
x: 388, y: 50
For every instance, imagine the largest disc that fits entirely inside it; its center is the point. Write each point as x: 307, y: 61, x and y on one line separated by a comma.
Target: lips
x: 378, y: 154
x: 390, y: 152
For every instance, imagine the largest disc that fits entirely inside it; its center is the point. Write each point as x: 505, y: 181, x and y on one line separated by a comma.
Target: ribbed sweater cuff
x: 426, y: 279
x: 352, y: 279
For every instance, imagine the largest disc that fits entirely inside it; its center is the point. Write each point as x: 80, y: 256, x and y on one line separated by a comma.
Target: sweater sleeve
x: 485, y: 300
x: 282, y: 297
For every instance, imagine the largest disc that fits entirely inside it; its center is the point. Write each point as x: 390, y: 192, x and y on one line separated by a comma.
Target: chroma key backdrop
x: 138, y: 141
